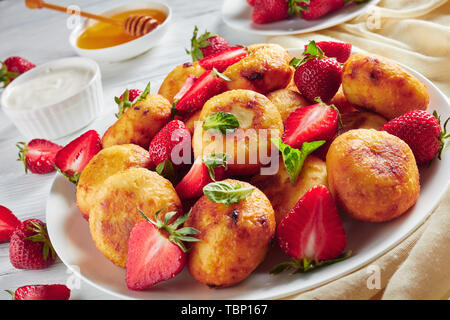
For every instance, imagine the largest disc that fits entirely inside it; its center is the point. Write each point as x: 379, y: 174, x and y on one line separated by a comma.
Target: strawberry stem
x: 22, y: 156
x: 41, y: 236
x: 13, y: 295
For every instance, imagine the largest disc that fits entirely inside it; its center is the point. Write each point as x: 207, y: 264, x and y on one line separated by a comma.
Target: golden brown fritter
x: 104, y: 164
x: 254, y: 112
x: 279, y: 190
x: 287, y: 101
x: 361, y: 120
x: 233, y: 240
x: 140, y: 123
x: 380, y: 85
x: 116, y: 205
x: 265, y: 69
x: 372, y: 175
x: 176, y: 78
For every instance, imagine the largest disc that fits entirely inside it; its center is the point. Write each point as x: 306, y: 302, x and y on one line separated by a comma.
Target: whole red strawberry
x: 266, y: 11
x: 156, y: 251
x: 311, y: 123
x: 339, y: 50
x: 315, y: 9
x: 41, y: 292
x: 316, y: 75
x: 206, y: 45
x: 38, y: 155
x: 8, y: 223
x: 30, y: 246
x: 12, y: 67
x: 422, y: 132
x: 312, y: 232
x: 174, y: 134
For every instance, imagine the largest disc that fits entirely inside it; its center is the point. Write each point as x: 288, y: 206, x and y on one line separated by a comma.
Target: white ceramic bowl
x: 129, y: 49
x: 61, y: 118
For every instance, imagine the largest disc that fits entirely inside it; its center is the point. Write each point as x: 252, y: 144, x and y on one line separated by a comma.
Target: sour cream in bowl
x: 55, y: 99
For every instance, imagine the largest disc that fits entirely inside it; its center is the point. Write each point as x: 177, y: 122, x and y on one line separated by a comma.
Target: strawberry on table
x: 266, y: 11
x: 223, y: 59
x: 38, y: 155
x: 422, y: 132
x: 316, y: 75
x: 206, y: 45
x: 202, y: 172
x: 312, y: 123
x: 30, y: 246
x: 41, y: 292
x: 12, y: 67
x: 74, y: 157
x: 211, y: 83
x: 314, y: 9
x: 8, y: 223
x: 339, y: 50
x: 156, y: 251
x: 171, y: 135
x: 312, y: 233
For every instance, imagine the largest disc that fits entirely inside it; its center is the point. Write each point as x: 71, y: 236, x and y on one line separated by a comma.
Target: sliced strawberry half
x: 312, y: 123
x: 41, y: 292
x: 155, y: 250
x: 207, y: 86
x: 339, y: 50
x: 8, y: 223
x: 38, y: 155
x: 74, y: 157
x: 202, y: 173
x: 312, y: 232
x: 186, y: 87
x: 224, y: 59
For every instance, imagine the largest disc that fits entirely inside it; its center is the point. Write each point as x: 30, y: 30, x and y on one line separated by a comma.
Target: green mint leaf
x: 221, y: 122
x: 166, y: 170
x: 294, y: 158
x: 220, y: 75
x: 216, y: 160
x: 226, y: 192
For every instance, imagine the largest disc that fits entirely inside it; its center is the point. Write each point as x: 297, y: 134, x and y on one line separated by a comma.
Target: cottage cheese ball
x: 233, y: 240
x: 116, y: 205
x: 248, y: 144
x: 372, y: 175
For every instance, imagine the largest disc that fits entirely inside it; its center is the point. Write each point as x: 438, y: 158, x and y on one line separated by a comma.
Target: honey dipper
x: 136, y: 25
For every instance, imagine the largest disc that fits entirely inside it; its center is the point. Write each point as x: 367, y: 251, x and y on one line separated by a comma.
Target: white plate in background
x: 237, y: 14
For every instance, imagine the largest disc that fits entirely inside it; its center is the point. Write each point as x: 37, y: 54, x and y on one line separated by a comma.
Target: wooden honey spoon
x: 136, y: 25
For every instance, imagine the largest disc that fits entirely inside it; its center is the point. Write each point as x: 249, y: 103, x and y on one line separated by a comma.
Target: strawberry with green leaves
x: 312, y: 233
x: 423, y: 133
x: 12, y: 67
x: 332, y: 49
x: 315, y: 9
x: 129, y: 98
x: 316, y: 75
x: 41, y: 292
x: 156, y: 250
x: 74, y: 157
x: 30, y: 246
x: 206, y: 45
x: 38, y: 155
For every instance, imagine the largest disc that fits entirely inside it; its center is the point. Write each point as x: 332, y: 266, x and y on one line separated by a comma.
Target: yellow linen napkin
x: 416, y: 33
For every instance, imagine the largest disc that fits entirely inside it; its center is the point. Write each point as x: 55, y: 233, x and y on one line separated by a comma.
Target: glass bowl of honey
x: 106, y: 42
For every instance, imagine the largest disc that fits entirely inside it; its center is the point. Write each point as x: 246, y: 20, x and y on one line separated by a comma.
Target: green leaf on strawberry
x: 312, y: 51
x: 199, y: 42
x: 443, y: 136
x: 176, y: 235
x: 226, y: 192
x: 124, y: 102
x: 41, y: 236
x: 216, y: 160
x: 294, y: 158
x: 222, y: 122
x: 304, y: 265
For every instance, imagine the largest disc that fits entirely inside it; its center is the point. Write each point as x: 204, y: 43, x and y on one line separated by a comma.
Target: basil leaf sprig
x: 226, y: 192
x: 294, y: 158
x: 216, y: 160
x: 222, y: 122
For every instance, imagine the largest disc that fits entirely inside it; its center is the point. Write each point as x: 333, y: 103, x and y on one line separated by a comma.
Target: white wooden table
x: 41, y: 36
